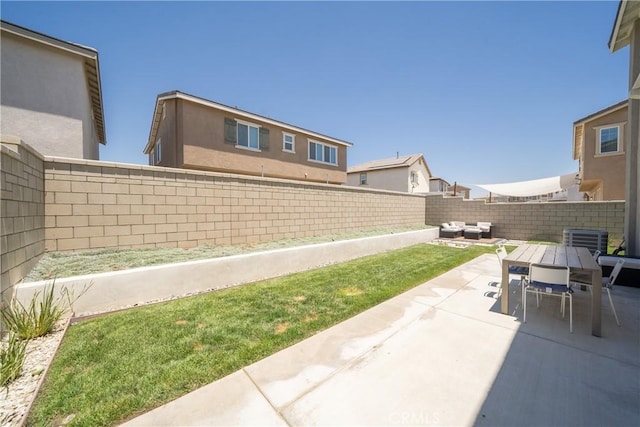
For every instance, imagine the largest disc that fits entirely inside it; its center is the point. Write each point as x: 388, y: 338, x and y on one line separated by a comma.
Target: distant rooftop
x: 394, y: 162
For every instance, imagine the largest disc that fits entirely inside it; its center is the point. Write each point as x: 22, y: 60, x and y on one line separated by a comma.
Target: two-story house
x: 408, y: 174
x: 51, y: 95
x: 440, y: 185
x: 194, y: 133
x: 599, y: 146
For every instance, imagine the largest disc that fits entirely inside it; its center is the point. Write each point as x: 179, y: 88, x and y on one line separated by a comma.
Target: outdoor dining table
x: 576, y: 258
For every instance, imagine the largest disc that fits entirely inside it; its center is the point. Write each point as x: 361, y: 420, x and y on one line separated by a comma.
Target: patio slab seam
x: 264, y: 395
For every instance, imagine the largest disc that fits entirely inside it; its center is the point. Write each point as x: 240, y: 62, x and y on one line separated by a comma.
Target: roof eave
x: 628, y: 12
x: 91, y: 68
x: 185, y: 96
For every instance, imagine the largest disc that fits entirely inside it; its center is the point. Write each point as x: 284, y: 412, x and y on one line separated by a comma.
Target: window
x: 164, y: 111
x: 158, y: 151
x: 414, y: 178
x: 609, y: 140
x: 288, y: 142
x: 363, y: 179
x: 323, y: 153
x: 248, y: 136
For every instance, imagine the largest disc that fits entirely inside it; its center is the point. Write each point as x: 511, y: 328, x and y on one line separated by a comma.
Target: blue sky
x: 487, y: 91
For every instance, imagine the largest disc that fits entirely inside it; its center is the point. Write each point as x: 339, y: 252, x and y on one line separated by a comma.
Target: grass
x: 66, y: 264
x: 113, y: 367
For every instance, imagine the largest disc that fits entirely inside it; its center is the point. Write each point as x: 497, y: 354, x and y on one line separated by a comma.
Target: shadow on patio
x: 440, y: 354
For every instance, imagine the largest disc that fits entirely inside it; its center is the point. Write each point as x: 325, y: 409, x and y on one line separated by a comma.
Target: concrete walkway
x: 439, y: 354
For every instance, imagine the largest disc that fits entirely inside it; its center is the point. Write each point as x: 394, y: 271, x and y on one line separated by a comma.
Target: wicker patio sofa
x: 455, y: 229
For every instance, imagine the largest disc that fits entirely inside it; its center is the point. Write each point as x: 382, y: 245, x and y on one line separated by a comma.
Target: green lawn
x: 113, y: 367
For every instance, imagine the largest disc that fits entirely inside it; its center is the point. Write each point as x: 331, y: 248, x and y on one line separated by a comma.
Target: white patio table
x: 576, y: 258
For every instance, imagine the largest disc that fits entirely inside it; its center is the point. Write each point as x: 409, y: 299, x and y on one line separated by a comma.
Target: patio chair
x: 582, y: 277
x: 552, y: 280
x: 607, y: 284
x: 501, y: 252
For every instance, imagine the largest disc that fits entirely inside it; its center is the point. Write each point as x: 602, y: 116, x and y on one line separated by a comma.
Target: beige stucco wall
x: 529, y: 221
x: 393, y: 179
x: 22, y: 212
x: 632, y: 221
x: 44, y: 99
x: 200, y: 133
x: 609, y: 169
x: 396, y: 179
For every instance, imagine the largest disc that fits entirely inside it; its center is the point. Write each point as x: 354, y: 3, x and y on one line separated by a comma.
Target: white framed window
x: 609, y: 139
x: 414, y: 178
x: 288, y: 142
x: 363, y: 178
x: 248, y: 135
x: 158, y: 151
x: 323, y: 153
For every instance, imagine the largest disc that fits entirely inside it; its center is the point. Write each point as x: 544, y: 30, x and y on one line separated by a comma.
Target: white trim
x: 293, y: 142
x: 635, y: 89
x: 598, y: 129
x: 248, y: 124
x: 324, y: 144
x: 164, y: 110
x: 366, y: 178
x: 158, y: 151
x: 252, y: 116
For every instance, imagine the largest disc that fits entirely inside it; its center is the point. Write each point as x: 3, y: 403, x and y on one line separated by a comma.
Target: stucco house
x: 440, y: 185
x: 599, y: 145
x: 626, y: 32
x: 190, y: 132
x: 51, y: 95
x: 408, y: 174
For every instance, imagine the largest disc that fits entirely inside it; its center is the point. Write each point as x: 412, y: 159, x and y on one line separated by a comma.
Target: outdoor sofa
x: 455, y: 229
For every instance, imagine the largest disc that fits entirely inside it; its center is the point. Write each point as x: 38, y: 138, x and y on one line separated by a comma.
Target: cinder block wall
x: 92, y: 204
x: 530, y: 221
x: 22, y: 212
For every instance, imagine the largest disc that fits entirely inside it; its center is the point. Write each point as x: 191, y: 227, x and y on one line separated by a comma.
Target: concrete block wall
x: 91, y: 205
x: 22, y: 212
x: 530, y: 221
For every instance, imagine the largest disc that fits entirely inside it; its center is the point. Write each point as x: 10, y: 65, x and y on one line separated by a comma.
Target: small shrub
x: 11, y: 358
x: 36, y: 320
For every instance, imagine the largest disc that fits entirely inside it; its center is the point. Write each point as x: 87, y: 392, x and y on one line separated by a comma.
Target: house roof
x: 91, y: 68
x: 391, y: 163
x: 578, y: 125
x: 236, y: 111
x: 628, y: 13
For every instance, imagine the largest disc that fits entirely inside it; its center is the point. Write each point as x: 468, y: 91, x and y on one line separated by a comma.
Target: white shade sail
x: 532, y: 188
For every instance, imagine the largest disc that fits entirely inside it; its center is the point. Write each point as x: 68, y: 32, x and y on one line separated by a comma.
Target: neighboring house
x: 626, y: 32
x: 439, y: 185
x: 599, y: 146
x: 194, y: 133
x: 50, y: 96
x: 409, y: 174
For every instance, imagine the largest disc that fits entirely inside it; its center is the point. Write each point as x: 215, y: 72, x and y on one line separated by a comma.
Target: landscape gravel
x: 16, y: 397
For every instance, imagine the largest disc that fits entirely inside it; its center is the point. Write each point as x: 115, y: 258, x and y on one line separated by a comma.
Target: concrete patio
x: 440, y: 354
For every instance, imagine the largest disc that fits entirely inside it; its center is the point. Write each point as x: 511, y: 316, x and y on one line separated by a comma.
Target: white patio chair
x: 583, y: 277
x: 501, y: 252
x: 550, y: 280
x: 607, y: 284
